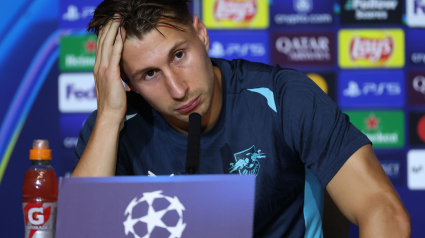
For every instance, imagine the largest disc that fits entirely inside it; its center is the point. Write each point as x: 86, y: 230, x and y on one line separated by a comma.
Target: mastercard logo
x: 320, y: 81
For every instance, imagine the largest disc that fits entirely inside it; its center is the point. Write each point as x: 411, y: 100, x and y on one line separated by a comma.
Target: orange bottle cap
x: 40, y: 150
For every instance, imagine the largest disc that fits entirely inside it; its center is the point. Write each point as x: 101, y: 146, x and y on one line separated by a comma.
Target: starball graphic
x: 155, y: 217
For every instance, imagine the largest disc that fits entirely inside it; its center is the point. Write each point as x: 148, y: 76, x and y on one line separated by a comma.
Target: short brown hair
x: 140, y: 16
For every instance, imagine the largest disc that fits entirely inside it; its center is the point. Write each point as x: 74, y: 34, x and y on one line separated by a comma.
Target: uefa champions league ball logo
x: 154, y: 218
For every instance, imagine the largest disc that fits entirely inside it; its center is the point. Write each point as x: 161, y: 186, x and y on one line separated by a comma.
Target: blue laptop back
x: 146, y: 207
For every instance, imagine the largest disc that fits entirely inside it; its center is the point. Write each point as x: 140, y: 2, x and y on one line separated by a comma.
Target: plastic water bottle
x: 40, y: 193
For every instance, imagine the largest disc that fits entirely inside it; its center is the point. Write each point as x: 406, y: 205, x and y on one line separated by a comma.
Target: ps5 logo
x: 303, y: 6
x: 390, y: 88
x: 218, y: 50
x: 73, y: 14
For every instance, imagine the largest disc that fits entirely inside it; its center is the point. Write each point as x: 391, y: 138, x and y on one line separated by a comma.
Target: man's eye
x: 179, y: 54
x: 150, y: 73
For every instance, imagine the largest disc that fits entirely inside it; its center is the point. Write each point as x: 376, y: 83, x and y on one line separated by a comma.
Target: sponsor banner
x: 371, y: 48
x: 371, y: 89
x: 76, y: 14
x: 70, y: 126
x: 394, y: 166
x: 416, y: 88
x: 248, y: 45
x: 326, y: 81
x: 415, y: 46
x: 77, y: 53
x: 371, y: 11
x: 416, y: 169
x: 77, y: 93
x: 415, y: 12
x: 301, y: 12
x: 235, y: 13
x: 384, y: 128
x: 303, y: 48
x: 417, y: 128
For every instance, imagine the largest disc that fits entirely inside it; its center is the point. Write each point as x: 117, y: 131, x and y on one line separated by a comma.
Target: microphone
x: 193, y: 143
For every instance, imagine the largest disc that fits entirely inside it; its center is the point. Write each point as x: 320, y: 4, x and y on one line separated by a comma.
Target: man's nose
x: 176, y: 85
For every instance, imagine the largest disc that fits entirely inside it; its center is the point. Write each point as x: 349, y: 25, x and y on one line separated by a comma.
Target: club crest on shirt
x: 246, y: 162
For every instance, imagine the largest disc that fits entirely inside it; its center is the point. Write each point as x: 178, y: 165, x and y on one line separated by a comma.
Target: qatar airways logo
x: 304, y: 48
x: 237, y: 11
x: 373, y: 50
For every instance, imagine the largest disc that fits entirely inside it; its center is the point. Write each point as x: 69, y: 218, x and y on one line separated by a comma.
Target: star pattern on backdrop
x: 372, y: 122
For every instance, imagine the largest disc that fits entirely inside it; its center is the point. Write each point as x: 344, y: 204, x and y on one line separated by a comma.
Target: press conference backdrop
x: 367, y: 55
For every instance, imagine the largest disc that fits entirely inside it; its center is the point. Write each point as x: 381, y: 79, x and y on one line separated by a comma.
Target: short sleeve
x: 83, y: 138
x: 313, y: 126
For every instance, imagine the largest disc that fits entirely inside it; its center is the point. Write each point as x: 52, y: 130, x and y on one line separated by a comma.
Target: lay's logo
x: 236, y: 13
x: 371, y: 48
x: 235, y: 10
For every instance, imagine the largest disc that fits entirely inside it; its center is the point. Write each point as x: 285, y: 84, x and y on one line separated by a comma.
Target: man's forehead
x: 154, y: 40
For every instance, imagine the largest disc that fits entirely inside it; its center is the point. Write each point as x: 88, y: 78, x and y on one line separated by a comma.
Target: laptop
x: 149, y: 207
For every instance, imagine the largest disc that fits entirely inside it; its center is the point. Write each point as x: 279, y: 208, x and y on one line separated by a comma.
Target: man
x: 299, y: 138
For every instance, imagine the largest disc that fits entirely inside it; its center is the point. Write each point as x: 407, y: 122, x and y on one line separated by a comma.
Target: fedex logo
x: 373, y: 89
x: 77, y: 93
x: 80, y: 93
x: 239, y: 45
x: 415, y: 11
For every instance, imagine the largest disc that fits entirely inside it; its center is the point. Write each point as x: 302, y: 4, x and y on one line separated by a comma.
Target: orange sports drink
x: 40, y: 193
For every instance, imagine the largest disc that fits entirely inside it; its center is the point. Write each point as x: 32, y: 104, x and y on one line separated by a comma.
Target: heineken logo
x: 90, y: 45
x: 77, y: 53
x: 383, y: 128
x: 372, y: 122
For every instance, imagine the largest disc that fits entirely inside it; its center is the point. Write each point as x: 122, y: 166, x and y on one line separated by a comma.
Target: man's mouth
x: 189, y: 106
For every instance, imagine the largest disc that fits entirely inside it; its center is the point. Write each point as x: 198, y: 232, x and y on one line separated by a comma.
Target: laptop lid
x: 141, y: 206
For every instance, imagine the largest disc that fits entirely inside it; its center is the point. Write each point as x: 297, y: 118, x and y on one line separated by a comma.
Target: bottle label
x: 40, y: 219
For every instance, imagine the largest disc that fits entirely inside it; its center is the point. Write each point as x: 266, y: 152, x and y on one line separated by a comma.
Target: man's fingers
x: 118, y: 46
x: 107, y: 46
x: 100, y: 40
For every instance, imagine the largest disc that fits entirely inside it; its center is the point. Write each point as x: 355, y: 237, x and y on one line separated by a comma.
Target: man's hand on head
x: 111, y: 98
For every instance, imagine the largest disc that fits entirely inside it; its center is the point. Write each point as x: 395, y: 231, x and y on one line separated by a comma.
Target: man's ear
x: 201, y: 31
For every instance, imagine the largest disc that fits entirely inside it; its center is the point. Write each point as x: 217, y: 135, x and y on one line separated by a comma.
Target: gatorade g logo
x: 374, y: 50
x: 237, y: 11
x: 37, y: 213
x: 39, y: 217
x: 371, y: 48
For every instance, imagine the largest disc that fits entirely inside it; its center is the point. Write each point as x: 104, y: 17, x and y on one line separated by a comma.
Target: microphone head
x: 193, y: 143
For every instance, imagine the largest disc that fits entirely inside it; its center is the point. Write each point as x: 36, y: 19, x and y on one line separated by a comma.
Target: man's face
x: 173, y: 72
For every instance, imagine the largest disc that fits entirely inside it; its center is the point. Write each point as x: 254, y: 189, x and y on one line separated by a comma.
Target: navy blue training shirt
x: 275, y: 123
